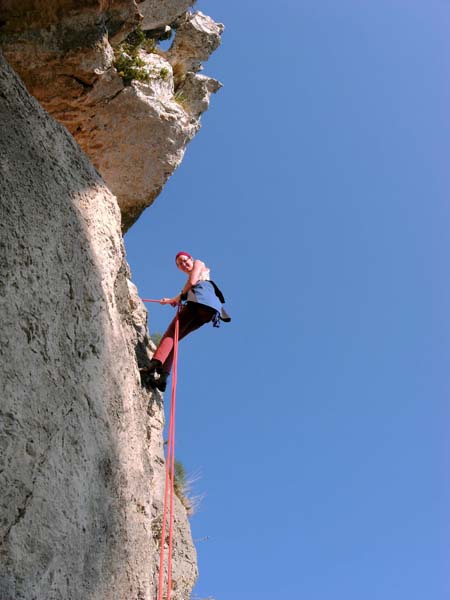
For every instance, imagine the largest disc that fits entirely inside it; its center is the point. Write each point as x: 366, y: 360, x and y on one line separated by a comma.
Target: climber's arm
x: 192, y: 280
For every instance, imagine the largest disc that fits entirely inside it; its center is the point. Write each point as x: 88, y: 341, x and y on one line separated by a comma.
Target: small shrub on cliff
x: 130, y: 67
x: 126, y: 57
x: 138, y: 40
x: 164, y: 73
x: 156, y: 337
x: 179, y: 482
x: 182, y: 486
x: 180, y: 99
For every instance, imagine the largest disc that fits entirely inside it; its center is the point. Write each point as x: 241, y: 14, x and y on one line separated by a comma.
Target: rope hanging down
x: 170, y: 470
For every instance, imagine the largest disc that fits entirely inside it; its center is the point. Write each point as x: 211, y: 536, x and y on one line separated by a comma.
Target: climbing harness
x: 170, y: 471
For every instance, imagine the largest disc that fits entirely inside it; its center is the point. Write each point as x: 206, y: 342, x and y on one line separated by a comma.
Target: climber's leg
x: 192, y: 317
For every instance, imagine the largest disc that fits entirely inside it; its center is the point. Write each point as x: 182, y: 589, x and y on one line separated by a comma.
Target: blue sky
x: 317, y: 192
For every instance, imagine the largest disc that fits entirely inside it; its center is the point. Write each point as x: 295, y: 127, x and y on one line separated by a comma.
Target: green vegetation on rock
x: 126, y: 57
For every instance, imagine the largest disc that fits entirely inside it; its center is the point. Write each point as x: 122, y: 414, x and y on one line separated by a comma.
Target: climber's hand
x: 171, y: 301
x: 166, y: 301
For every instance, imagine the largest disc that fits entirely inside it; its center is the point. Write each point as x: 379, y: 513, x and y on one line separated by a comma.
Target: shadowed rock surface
x: 81, y: 456
x: 65, y: 51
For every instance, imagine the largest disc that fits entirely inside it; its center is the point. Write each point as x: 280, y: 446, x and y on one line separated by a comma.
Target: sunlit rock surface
x: 81, y: 446
x: 135, y: 135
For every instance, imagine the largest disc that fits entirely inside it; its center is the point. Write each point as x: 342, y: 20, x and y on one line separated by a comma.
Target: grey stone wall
x: 81, y: 453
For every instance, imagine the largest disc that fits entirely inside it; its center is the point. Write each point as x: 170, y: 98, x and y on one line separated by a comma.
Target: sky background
x: 317, y: 192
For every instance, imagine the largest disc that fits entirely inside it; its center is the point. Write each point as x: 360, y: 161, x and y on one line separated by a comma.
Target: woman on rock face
x: 203, y: 304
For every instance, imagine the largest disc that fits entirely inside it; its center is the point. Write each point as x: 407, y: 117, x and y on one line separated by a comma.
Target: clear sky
x: 317, y: 192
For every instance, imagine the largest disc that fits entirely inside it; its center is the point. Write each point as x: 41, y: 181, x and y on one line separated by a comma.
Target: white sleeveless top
x: 204, y: 274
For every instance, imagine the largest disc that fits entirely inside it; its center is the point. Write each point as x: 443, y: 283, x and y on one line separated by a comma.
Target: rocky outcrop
x: 81, y: 451
x: 133, y: 122
x: 197, y: 37
x: 157, y: 14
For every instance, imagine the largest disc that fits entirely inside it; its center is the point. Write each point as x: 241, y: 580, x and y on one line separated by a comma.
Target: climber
x: 203, y: 302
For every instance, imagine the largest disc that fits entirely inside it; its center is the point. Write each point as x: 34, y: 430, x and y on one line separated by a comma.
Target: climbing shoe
x: 161, y: 382
x: 151, y: 373
x: 154, y: 367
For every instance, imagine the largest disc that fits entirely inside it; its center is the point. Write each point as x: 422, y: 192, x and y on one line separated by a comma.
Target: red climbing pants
x: 191, y: 316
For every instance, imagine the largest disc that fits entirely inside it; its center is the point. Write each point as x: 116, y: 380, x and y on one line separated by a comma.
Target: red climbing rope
x: 170, y: 470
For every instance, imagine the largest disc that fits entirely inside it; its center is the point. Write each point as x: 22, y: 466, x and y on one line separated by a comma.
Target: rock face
x: 135, y: 132
x: 81, y: 456
x: 157, y: 14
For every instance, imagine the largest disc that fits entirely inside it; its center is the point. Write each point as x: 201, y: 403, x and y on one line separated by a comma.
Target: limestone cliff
x: 81, y: 457
x: 78, y: 58
x: 81, y: 447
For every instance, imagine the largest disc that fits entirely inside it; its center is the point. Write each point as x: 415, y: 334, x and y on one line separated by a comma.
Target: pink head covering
x: 182, y: 254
